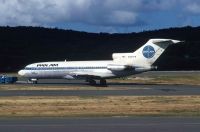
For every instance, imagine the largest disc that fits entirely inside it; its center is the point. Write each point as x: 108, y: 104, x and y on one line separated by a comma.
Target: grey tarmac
x: 105, y: 124
x: 129, y: 90
x: 110, y: 124
x: 125, y: 89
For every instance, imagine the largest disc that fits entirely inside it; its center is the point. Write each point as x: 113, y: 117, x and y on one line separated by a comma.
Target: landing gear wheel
x: 103, y: 82
x: 33, y: 81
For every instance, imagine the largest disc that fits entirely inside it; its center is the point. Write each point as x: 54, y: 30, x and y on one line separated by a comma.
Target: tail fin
x: 151, y: 51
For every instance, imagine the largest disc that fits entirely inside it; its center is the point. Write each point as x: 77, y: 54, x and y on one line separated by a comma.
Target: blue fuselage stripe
x: 63, y: 68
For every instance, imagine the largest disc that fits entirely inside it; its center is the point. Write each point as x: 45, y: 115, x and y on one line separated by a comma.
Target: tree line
x: 24, y: 45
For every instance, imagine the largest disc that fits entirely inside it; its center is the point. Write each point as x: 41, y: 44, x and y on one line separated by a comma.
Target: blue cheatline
x: 148, y: 52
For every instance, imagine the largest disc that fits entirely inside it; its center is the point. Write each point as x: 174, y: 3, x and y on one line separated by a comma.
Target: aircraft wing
x: 95, y: 75
x: 80, y: 74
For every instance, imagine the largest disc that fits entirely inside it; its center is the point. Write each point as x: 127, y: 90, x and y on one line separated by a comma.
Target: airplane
x: 121, y: 65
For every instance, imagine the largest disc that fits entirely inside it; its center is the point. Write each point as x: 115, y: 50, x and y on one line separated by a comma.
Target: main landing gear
x: 103, y: 82
x: 93, y: 82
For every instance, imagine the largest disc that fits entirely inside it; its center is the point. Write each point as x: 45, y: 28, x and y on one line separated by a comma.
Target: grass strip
x: 75, y: 106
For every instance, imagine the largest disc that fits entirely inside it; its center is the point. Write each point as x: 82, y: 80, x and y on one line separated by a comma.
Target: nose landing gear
x: 33, y: 81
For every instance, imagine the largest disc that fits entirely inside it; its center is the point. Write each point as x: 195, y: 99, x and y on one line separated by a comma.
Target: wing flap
x: 84, y: 75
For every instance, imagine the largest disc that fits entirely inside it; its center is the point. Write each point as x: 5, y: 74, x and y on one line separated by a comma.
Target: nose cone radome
x: 21, y: 72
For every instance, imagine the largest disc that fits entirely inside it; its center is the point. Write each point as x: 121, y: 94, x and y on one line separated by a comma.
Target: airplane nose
x: 21, y: 73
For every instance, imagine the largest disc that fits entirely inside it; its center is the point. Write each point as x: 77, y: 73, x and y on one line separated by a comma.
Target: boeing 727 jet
x: 122, y: 64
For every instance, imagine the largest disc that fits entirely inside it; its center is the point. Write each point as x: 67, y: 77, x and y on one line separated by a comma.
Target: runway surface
x: 113, y: 124
x: 110, y: 124
x: 128, y: 90
x: 123, y: 89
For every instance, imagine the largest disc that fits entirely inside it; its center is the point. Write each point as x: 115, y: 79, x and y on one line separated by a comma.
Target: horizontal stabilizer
x: 164, y: 41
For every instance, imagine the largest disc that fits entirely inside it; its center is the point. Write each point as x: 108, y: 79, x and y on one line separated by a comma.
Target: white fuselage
x: 77, y: 70
x: 123, y: 64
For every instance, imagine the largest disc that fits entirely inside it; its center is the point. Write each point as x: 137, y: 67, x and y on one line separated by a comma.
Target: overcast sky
x: 101, y: 15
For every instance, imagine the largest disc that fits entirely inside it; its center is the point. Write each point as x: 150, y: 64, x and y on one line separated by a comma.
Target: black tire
x: 35, y: 82
x: 32, y: 81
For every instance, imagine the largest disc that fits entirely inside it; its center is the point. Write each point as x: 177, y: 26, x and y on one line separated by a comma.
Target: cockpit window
x: 28, y: 68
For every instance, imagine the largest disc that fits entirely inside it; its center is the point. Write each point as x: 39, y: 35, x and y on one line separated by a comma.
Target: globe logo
x: 148, y: 52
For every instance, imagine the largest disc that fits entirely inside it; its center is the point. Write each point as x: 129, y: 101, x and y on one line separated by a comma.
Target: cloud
x: 44, y: 12
x: 108, y: 13
x: 193, y: 7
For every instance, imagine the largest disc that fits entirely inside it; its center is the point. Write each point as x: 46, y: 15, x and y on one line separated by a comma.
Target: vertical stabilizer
x: 151, y: 51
